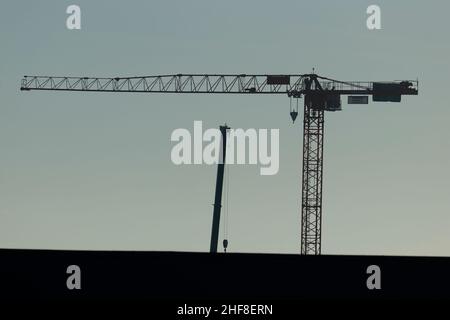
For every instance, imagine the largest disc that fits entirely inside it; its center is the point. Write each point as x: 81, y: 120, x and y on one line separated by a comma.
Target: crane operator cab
x: 324, y: 100
x: 332, y: 102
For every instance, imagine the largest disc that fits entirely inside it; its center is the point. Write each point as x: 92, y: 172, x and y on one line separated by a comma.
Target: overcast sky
x: 93, y: 170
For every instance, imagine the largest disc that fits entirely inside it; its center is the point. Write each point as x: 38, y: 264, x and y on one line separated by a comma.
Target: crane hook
x: 225, y: 245
x: 294, y: 112
x: 294, y: 115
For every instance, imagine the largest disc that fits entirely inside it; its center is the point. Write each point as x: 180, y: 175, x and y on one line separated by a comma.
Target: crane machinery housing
x: 319, y: 94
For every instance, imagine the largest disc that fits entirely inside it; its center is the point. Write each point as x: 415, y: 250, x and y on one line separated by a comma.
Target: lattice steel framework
x: 311, y: 215
x: 198, y: 83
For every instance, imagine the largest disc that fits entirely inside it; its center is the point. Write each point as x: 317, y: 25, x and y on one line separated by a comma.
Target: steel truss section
x: 311, y: 215
x: 198, y: 83
x: 179, y: 83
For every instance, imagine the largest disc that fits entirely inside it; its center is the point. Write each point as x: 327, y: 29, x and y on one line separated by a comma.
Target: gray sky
x: 93, y: 170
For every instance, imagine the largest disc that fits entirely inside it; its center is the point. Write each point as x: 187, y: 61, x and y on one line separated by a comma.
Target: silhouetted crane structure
x: 320, y: 94
x: 218, y: 193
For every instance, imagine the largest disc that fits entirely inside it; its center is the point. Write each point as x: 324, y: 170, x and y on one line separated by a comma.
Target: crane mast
x: 320, y: 94
x: 311, y: 216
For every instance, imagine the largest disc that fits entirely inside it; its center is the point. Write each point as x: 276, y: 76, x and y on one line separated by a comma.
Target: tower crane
x: 319, y: 94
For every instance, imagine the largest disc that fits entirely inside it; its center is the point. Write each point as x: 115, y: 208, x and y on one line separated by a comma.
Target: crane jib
x: 294, y: 85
